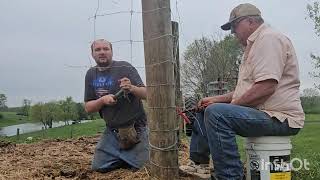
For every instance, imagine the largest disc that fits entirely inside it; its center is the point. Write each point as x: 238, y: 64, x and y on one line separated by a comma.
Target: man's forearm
x: 225, y: 98
x: 93, y: 106
x: 140, y: 92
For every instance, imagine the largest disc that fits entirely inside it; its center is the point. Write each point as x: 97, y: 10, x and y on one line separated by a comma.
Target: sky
x: 45, y: 44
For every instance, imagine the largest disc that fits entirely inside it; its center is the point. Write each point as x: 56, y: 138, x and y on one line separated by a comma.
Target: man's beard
x: 104, y: 63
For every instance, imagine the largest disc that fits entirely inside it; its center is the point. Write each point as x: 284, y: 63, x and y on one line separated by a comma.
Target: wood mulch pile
x: 63, y: 159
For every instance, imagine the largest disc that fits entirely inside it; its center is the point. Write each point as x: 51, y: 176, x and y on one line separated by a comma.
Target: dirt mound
x: 6, y: 147
x: 62, y: 159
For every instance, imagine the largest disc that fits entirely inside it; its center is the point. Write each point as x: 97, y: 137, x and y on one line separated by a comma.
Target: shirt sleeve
x: 269, y: 58
x: 89, y: 93
x: 135, y: 77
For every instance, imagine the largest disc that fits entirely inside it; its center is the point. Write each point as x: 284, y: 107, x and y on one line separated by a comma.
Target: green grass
x: 10, y: 118
x: 63, y: 132
x: 312, y: 109
x: 306, y: 145
x: 312, y: 117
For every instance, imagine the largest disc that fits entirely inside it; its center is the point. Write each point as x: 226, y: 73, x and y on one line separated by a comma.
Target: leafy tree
x: 314, y: 15
x: 310, y: 100
x: 93, y: 116
x: 25, y: 107
x: 3, y: 101
x: 52, y: 112
x: 208, y: 60
x: 310, y: 92
x: 46, y: 113
x: 36, y: 113
x: 69, y: 110
x: 82, y: 114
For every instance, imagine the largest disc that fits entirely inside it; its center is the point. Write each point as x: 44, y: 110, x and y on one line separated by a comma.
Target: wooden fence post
x: 159, y: 63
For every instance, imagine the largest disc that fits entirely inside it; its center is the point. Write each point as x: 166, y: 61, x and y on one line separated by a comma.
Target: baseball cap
x: 241, y: 10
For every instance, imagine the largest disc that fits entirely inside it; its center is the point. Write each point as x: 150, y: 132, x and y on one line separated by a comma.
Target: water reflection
x: 29, y: 127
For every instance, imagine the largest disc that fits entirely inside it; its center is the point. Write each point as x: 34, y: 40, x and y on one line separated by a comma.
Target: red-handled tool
x: 183, y: 115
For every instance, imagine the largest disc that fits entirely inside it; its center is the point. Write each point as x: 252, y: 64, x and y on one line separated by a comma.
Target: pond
x: 29, y: 127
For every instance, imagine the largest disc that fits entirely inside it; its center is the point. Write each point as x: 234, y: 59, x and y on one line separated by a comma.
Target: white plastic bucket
x: 268, y: 158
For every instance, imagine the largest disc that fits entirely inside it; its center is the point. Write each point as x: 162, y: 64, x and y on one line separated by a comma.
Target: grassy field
x: 10, y: 118
x: 63, y: 132
x: 312, y: 117
x: 312, y: 109
x: 306, y: 145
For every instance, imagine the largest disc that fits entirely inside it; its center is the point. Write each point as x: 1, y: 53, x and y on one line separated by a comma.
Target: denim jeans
x: 199, y: 147
x: 222, y: 123
x: 108, y: 155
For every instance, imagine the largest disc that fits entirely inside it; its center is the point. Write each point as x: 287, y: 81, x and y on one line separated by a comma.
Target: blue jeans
x: 199, y: 147
x: 108, y: 155
x: 223, y: 122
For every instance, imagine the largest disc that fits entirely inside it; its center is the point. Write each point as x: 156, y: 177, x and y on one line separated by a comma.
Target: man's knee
x: 97, y: 163
x: 217, y: 114
x: 96, y: 166
x: 217, y: 109
x: 104, y: 165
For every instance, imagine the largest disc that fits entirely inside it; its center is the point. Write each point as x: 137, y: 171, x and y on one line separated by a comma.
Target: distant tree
x: 82, y: 114
x: 1, y: 116
x: 208, y: 60
x: 314, y: 15
x: 52, y: 112
x: 46, y: 113
x: 310, y: 92
x: 3, y: 102
x: 93, y: 116
x: 37, y: 113
x: 310, y: 100
x: 14, y: 109
x: 26, y: 103
x: 69, y: 110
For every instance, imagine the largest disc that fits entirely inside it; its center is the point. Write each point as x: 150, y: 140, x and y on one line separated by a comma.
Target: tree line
x: 63, y: 110
x: 310, y: 100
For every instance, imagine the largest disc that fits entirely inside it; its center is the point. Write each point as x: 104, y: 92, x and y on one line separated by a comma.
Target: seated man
x: 266, y: 100
x: 124, y: 142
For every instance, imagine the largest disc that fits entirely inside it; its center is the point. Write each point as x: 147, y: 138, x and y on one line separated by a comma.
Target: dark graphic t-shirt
x: 128, y: 110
